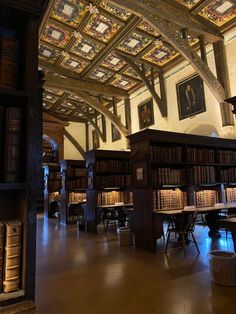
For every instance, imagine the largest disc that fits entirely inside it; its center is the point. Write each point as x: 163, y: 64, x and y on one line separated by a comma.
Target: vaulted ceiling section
x: 92, y: 42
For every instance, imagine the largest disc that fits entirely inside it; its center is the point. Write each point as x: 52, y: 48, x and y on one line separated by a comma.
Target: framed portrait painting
x: 145, y: 114
x: 95, y: 138
x: 191, y: 98
x: 115, y: 133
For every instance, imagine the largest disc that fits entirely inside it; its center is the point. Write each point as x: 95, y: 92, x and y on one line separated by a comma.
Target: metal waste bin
x: 125, y: 236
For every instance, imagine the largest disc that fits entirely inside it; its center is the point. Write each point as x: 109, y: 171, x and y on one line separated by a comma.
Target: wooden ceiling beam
x: 66, y: 119
x: 200, y: 6
x: 129, y: 27
x: 74, y: 142
x: 52, y: 119
x: 58, y: 102
x: 103, y: 110
x: 90, y: 119
x: 170, y: 11
x: 71, y: 85
x: 168, y: 30
x: 58, y: 70
x: 160, y: 103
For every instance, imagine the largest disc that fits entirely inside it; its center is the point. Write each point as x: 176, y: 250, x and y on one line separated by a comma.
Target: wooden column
x: 87, y: 136
x: 162, y: 88
x: 104, y: 129
x: 203, y: 48
x: 128, y: 115
x: 223, y: 77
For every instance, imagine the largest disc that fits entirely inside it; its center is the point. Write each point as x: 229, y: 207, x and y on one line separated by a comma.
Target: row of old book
x: 169, y: 199
x: 176, y: 154
x: 112, y: 197
x: 227, y: 157
x: 111, y: 165
x: 168, y: 176
x: 228, y: 175
x: 206, y: 198
x: 11, y: 144
x: 74, y: 184
x: 166, y: 154
x: 230, y: 194
x: 177, y: 199
x: 75, y: 172
x: 8, y: 58
x: 10, y: 255
x: 201, y: 155
x: 202, y: 174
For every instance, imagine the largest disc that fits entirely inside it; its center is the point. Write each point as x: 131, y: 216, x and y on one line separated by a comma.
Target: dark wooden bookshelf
x: 109, y: 180
x: 52, y: 185
x: 161, y: 181
x: 73, y: 186
x: 20, y: 136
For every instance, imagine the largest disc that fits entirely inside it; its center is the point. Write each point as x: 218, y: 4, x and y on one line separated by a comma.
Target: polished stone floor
x: 80, y: 273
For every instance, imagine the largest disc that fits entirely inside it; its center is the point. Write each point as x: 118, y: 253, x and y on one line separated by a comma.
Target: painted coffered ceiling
x: 86, y: 40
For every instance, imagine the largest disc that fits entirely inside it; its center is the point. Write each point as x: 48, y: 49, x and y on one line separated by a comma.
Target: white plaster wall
x: 77, y: 130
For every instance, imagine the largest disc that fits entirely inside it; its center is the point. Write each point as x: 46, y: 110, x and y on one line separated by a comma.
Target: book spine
x: 13, y: 167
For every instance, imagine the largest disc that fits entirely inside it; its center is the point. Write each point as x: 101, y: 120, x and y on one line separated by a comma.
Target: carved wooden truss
x: 112, y: 48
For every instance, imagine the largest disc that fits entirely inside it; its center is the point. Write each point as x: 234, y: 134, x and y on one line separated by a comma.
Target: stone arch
x: 202, y: 128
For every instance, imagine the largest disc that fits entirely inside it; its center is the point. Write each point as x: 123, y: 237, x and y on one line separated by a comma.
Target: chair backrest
x: 188, y: 220
x: 75, y: 210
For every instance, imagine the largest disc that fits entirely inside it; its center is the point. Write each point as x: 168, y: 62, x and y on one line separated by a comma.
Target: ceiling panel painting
x: 101, y: 27
x: 123, y: 82
x: 64, y: 111
x: 50, y: 98
x: 188, y: 3
x: 113, y: 62
x: 101, y: 74
x: 48, y: 53
x: 70, y: 12
x: 134, y: 43
x: 160, y: 54
x: 55, y: 35
x: 73, y: 64
x: 220, y: 12
x: 77, y: 114
x: 120, y: 13
x: 67, y: 104
x: 86, y: 48
x: 75, y: 97
x: 147, y: 28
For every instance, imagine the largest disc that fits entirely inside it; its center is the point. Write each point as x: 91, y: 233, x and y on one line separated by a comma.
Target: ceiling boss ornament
x: 92, y: 9
x: 77, y: 35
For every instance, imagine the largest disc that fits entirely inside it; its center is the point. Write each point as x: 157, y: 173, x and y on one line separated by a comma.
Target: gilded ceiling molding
x: 169, y: 30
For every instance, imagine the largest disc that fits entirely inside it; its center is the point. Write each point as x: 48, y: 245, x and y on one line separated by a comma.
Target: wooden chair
x: 184, y: 227
x: 112, y: 216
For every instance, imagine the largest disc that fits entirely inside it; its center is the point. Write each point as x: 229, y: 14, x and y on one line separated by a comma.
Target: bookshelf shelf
x: 20, y: 142
x: 109, y: 181
x: 73, y: 186
x: 170, y: 174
